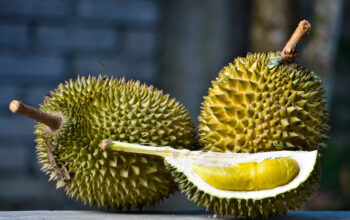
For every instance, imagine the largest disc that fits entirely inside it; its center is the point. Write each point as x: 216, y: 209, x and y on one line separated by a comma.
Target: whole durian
x: 81, y: 113
x: 262, y: 127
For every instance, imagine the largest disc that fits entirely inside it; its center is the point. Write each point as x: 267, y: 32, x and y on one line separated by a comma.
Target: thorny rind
x: 99, y: 108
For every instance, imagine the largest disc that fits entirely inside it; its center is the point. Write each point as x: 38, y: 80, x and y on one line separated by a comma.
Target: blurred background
x: 179, y: 46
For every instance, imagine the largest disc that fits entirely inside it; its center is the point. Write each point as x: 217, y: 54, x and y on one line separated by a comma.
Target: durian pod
x: 238, y: 184
x: 264, y: 103
x: 79, y: 114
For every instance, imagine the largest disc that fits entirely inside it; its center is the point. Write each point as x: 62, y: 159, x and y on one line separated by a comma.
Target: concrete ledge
x: 70, y: 215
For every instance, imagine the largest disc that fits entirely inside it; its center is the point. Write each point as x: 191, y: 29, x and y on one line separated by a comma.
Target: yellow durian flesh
x: 267, y: 174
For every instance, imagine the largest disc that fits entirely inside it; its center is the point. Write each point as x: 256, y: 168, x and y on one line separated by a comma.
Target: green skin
x: 253, y: 208
x: 287, y: 111
x: 261, y: 208
x: 95, y: 109
x: 258, y: 103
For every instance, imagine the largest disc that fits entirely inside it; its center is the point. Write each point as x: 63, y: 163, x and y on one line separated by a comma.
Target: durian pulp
x: 182, y: 161
x: 267, y: 174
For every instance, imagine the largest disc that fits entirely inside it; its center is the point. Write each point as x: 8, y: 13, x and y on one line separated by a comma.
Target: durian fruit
x: 253, y: 107
x: 265, y: 102
x: 238, y: 184
x: 80, y: 113
x: 263, y: 123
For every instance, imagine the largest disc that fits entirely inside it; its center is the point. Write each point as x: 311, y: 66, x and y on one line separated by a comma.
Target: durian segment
x: 267, y: 174
x: 97, y: 108
x: 253, y: 208
x: 182, y: 161
x: 306, y: 161
x: 254, y: 108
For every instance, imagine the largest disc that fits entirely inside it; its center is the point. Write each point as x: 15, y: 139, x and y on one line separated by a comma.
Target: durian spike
x: 289, y: 51
x: 52, y: 121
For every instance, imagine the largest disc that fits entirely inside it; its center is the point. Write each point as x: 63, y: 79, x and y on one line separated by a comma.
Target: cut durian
x: 292, y: 168
x: 263, y: 102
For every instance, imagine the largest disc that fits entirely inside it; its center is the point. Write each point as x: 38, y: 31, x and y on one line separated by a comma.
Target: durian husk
x: 260, y: 103
x: 259, y: 208
x: 99, y: 108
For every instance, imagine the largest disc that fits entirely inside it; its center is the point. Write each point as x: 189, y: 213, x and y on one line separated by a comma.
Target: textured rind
x: 99, y: 108
x: 255, y: 106
x: 266, y: 207
x: 259, y: 103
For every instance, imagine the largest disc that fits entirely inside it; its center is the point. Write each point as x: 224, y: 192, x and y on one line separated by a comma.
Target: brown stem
x: 289, y: 51
x: 52, y: 121
x: 62, y: 173
x: 105, y: 143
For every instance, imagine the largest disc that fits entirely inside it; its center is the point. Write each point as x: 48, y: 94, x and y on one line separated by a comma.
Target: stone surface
x: 68, y: 215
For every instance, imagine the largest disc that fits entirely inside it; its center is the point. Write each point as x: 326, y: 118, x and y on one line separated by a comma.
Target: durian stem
x: 52, y: 121
x: 289, y: 51
x: 108, y: 145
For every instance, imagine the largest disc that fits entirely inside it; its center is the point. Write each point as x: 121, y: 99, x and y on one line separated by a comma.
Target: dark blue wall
x: 43, y: 43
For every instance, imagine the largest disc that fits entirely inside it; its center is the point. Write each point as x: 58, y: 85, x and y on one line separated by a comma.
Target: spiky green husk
x: 95, y: 109
x: 266, y: 207
x: 257, y: 104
